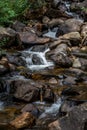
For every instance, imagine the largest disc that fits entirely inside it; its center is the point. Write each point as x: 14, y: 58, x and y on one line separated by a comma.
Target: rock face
x: 75, y: 119
x: 24, y: 120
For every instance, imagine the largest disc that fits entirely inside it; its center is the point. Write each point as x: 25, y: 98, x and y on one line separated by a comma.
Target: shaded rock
x: 23, y: 121
x: 24, y: 90
x: 30, y: 108
x: 84, y: 33
x: 70, y: 25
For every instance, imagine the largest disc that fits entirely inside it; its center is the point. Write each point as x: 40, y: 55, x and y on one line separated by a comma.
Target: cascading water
x: 36, y: 60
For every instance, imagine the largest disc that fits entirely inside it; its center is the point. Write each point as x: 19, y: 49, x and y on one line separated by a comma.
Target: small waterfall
x: 36, y: 60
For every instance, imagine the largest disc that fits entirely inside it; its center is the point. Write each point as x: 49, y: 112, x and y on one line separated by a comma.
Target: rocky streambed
x: 43, y: 70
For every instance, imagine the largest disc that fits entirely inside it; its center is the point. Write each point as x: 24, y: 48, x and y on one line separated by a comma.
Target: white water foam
x: 44, y: 63
x: 53, y: 110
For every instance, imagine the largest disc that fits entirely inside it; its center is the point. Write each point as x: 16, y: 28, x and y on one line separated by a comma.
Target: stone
x: 70, y: 25
x: 31, y: 108
x: 74, y: 38
x: 76, y: 63
x: 30, y: 39
x: 23, y: 121
x: 18, y: 26
x: 24, y: 90
x: 75, y: 119
x: 55, y: 22
x: 48, y: 95
x: 7, y: 37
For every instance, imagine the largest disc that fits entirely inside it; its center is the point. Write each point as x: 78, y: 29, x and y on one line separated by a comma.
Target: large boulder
x: 30, y: 39
x: 75, y: 119
x: 24, y: 90
x: 70, y: 25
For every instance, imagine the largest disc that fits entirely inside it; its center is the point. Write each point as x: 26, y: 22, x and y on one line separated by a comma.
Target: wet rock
x: 73, y: 37
x: 23, y: 121
x: 7, y: 37
x: 30, y: 108
x: 16, y: 59
x: 70, y: 25
x: 75, y: 119
x: 24, y: 90
x: 30, y: 39
x: 66, y: 107
x: 2, y: 86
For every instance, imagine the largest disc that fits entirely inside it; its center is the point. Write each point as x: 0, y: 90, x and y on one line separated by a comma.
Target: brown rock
x: 23, y: 121
x: 29, y: 38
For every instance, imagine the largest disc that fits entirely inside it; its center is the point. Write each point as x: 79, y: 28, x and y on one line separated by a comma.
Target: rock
x: 30, y: 39
x: 7, y: 37
x: 70, y: 25
x: 48, y: 95
x: 55, y: 13
x: 3, y: 70
x: 69, y: 80
x: 54, y: 126
x: 75, y: 119
x: 73, y: 37
x: 84, y: 33
x: 80, y: 8
x: 18, y: 26
x: 55, y: 22
x: 53, y: 81
x: 24, y: 90
x: 66, y: 107
x: 76, y: 63
x: 30, y: 108
x: 45, y: 20
x: 83, y: 63
x: 23, y: 121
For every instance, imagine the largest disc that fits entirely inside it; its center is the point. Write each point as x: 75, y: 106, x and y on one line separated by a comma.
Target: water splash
x: 40, y: 63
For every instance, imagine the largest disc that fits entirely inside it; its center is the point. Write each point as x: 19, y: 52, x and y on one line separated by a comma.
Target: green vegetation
x: 10, y: 10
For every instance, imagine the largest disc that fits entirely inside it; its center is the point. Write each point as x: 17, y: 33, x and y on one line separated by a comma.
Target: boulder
x: 24, y: 90
x: 30, y: 39
x: 75, y: 119
x: 31, y: 108
x: 74, y: 38
x: 70, y: 25
x: 23, y: 121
